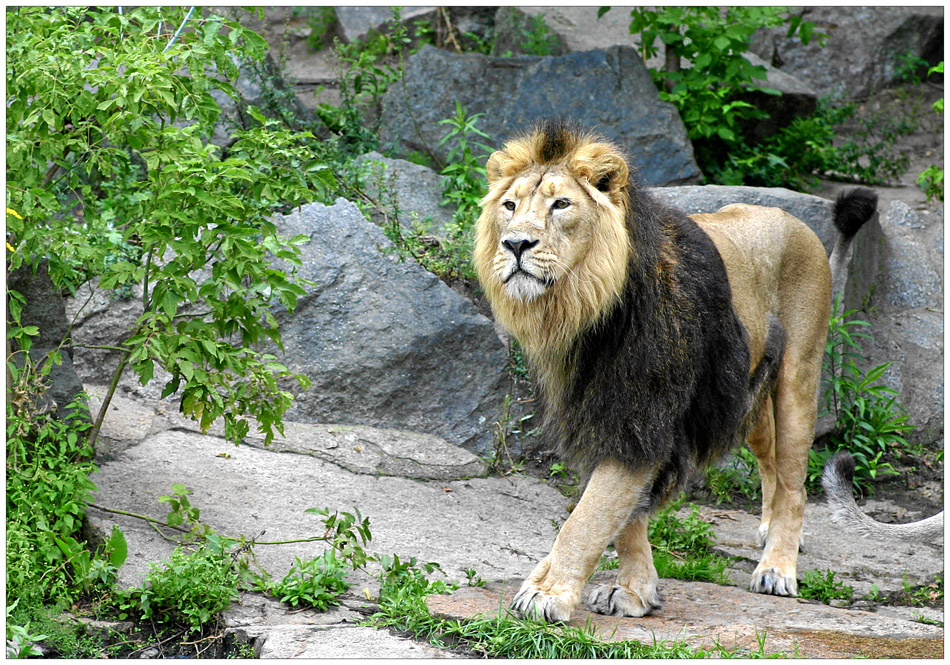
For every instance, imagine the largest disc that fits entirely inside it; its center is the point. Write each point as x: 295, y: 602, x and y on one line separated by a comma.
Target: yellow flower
x: 10, y: 248
x: 11, y: 211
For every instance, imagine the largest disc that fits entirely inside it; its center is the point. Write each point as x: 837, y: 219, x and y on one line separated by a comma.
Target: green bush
x: 74, y: 126
x: 314, y: 583
x: 190, y: 590
x: 869, y: 422
x: 47, y: 483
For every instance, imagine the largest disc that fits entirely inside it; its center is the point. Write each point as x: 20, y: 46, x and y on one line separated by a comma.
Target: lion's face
x: 544, y: 223
x: 552, y: 246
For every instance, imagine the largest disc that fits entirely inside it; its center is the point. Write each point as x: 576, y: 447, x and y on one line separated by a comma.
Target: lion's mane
x: 639, y: 354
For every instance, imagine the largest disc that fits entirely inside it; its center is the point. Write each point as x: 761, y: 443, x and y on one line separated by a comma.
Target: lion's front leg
x: 635, y: 592
x: 552, y: 590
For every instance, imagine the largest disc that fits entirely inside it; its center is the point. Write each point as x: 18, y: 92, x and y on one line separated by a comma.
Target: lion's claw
x: 772, y: 581
x: 615, y: 600
x: 532, y: 603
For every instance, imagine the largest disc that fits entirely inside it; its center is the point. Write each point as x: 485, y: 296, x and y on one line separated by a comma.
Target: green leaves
x: 315, y: 583
x: 869, y: 423
x: 707, y: 70
x: 136, y: 195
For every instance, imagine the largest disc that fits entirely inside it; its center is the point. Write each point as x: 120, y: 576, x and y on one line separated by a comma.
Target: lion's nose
x: 519, y: 247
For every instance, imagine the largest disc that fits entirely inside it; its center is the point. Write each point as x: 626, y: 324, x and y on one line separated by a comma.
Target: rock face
x: 610, y: 91
x: 383, y: 340
x: 579, y: 29
x: 46, y: 310
x: 906, y: 311
x: 358, y: 23
x: 412, y: 190
x: 860, y: 55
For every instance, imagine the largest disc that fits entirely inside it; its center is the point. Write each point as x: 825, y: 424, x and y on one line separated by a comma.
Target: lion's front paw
x: 616, y: 600
x: 533, y: 603
x: 773, y: 581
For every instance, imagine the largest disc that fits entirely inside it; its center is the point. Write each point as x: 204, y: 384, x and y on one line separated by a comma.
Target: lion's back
x: 775, y: 263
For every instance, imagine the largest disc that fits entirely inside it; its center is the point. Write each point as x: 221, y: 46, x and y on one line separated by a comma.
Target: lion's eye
x: 508, y: 205
x: 560, y: 204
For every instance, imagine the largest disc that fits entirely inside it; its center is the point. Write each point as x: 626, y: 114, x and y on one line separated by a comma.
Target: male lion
x: 658, y: 341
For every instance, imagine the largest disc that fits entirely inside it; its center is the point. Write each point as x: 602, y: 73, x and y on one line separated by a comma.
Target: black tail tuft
x: 843, y: 465
x: 853, y: 208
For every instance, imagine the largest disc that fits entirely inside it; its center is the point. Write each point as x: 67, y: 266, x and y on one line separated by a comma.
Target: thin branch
x: 145, y: 518
x: 98, y: 346
x: 178, y: 32
x: 107, y: 399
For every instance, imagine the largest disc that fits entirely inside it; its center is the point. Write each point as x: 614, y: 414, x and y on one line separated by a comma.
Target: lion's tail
x: 852, y: 209
x: 836, y: 480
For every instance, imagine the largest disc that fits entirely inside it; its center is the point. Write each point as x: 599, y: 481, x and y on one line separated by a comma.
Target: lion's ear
x: 610, y: 175
x: 495, y: 167
x: 604, y: 168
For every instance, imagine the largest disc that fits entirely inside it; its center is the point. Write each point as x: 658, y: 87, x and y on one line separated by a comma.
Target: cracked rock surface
x: 428, y: 499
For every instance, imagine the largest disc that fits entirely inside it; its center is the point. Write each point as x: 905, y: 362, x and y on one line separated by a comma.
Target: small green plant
x: 190, y: 590
x: 313, y: 583
x: 536, y: 36
x: 737, y: 478
x: 242, y: 650
x: 874, y: 595
x: 869, y: 422
x: 472, y: 578
x: 930, y: 594
x: 320, y: 19
x: 409, y: 578
x: 930, y: 182
x: 20, y: 643
x: 181, y: 513
x: 930, y: 179
x: 920, y: 618
x: 347, y: 534
x: 682, y: 546
x: 823, y: 587
x: 907, y: 67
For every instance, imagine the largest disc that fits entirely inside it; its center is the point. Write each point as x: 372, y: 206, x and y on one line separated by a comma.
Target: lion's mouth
x: 519, y: 271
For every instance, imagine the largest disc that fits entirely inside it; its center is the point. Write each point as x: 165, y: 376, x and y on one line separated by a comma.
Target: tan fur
x: 776, y: 267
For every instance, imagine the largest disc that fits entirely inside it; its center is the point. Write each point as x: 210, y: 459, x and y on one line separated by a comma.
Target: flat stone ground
x: 430, y: 500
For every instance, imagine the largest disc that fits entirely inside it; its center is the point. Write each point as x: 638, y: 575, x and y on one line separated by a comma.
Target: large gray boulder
x: 580, y: 29
x: 860, y: 54
x: 905, y: 308
x: 607, y: 90
x: 385, y: 342
x: 409, y: 191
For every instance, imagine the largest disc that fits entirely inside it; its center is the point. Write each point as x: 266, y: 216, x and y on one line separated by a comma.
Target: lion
x: 658, y: 341
x: 837, y: 479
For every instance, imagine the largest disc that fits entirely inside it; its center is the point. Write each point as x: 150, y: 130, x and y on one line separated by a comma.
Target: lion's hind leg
x: 635, y: 592
x: 795, y: 413
x: 762, y: 443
